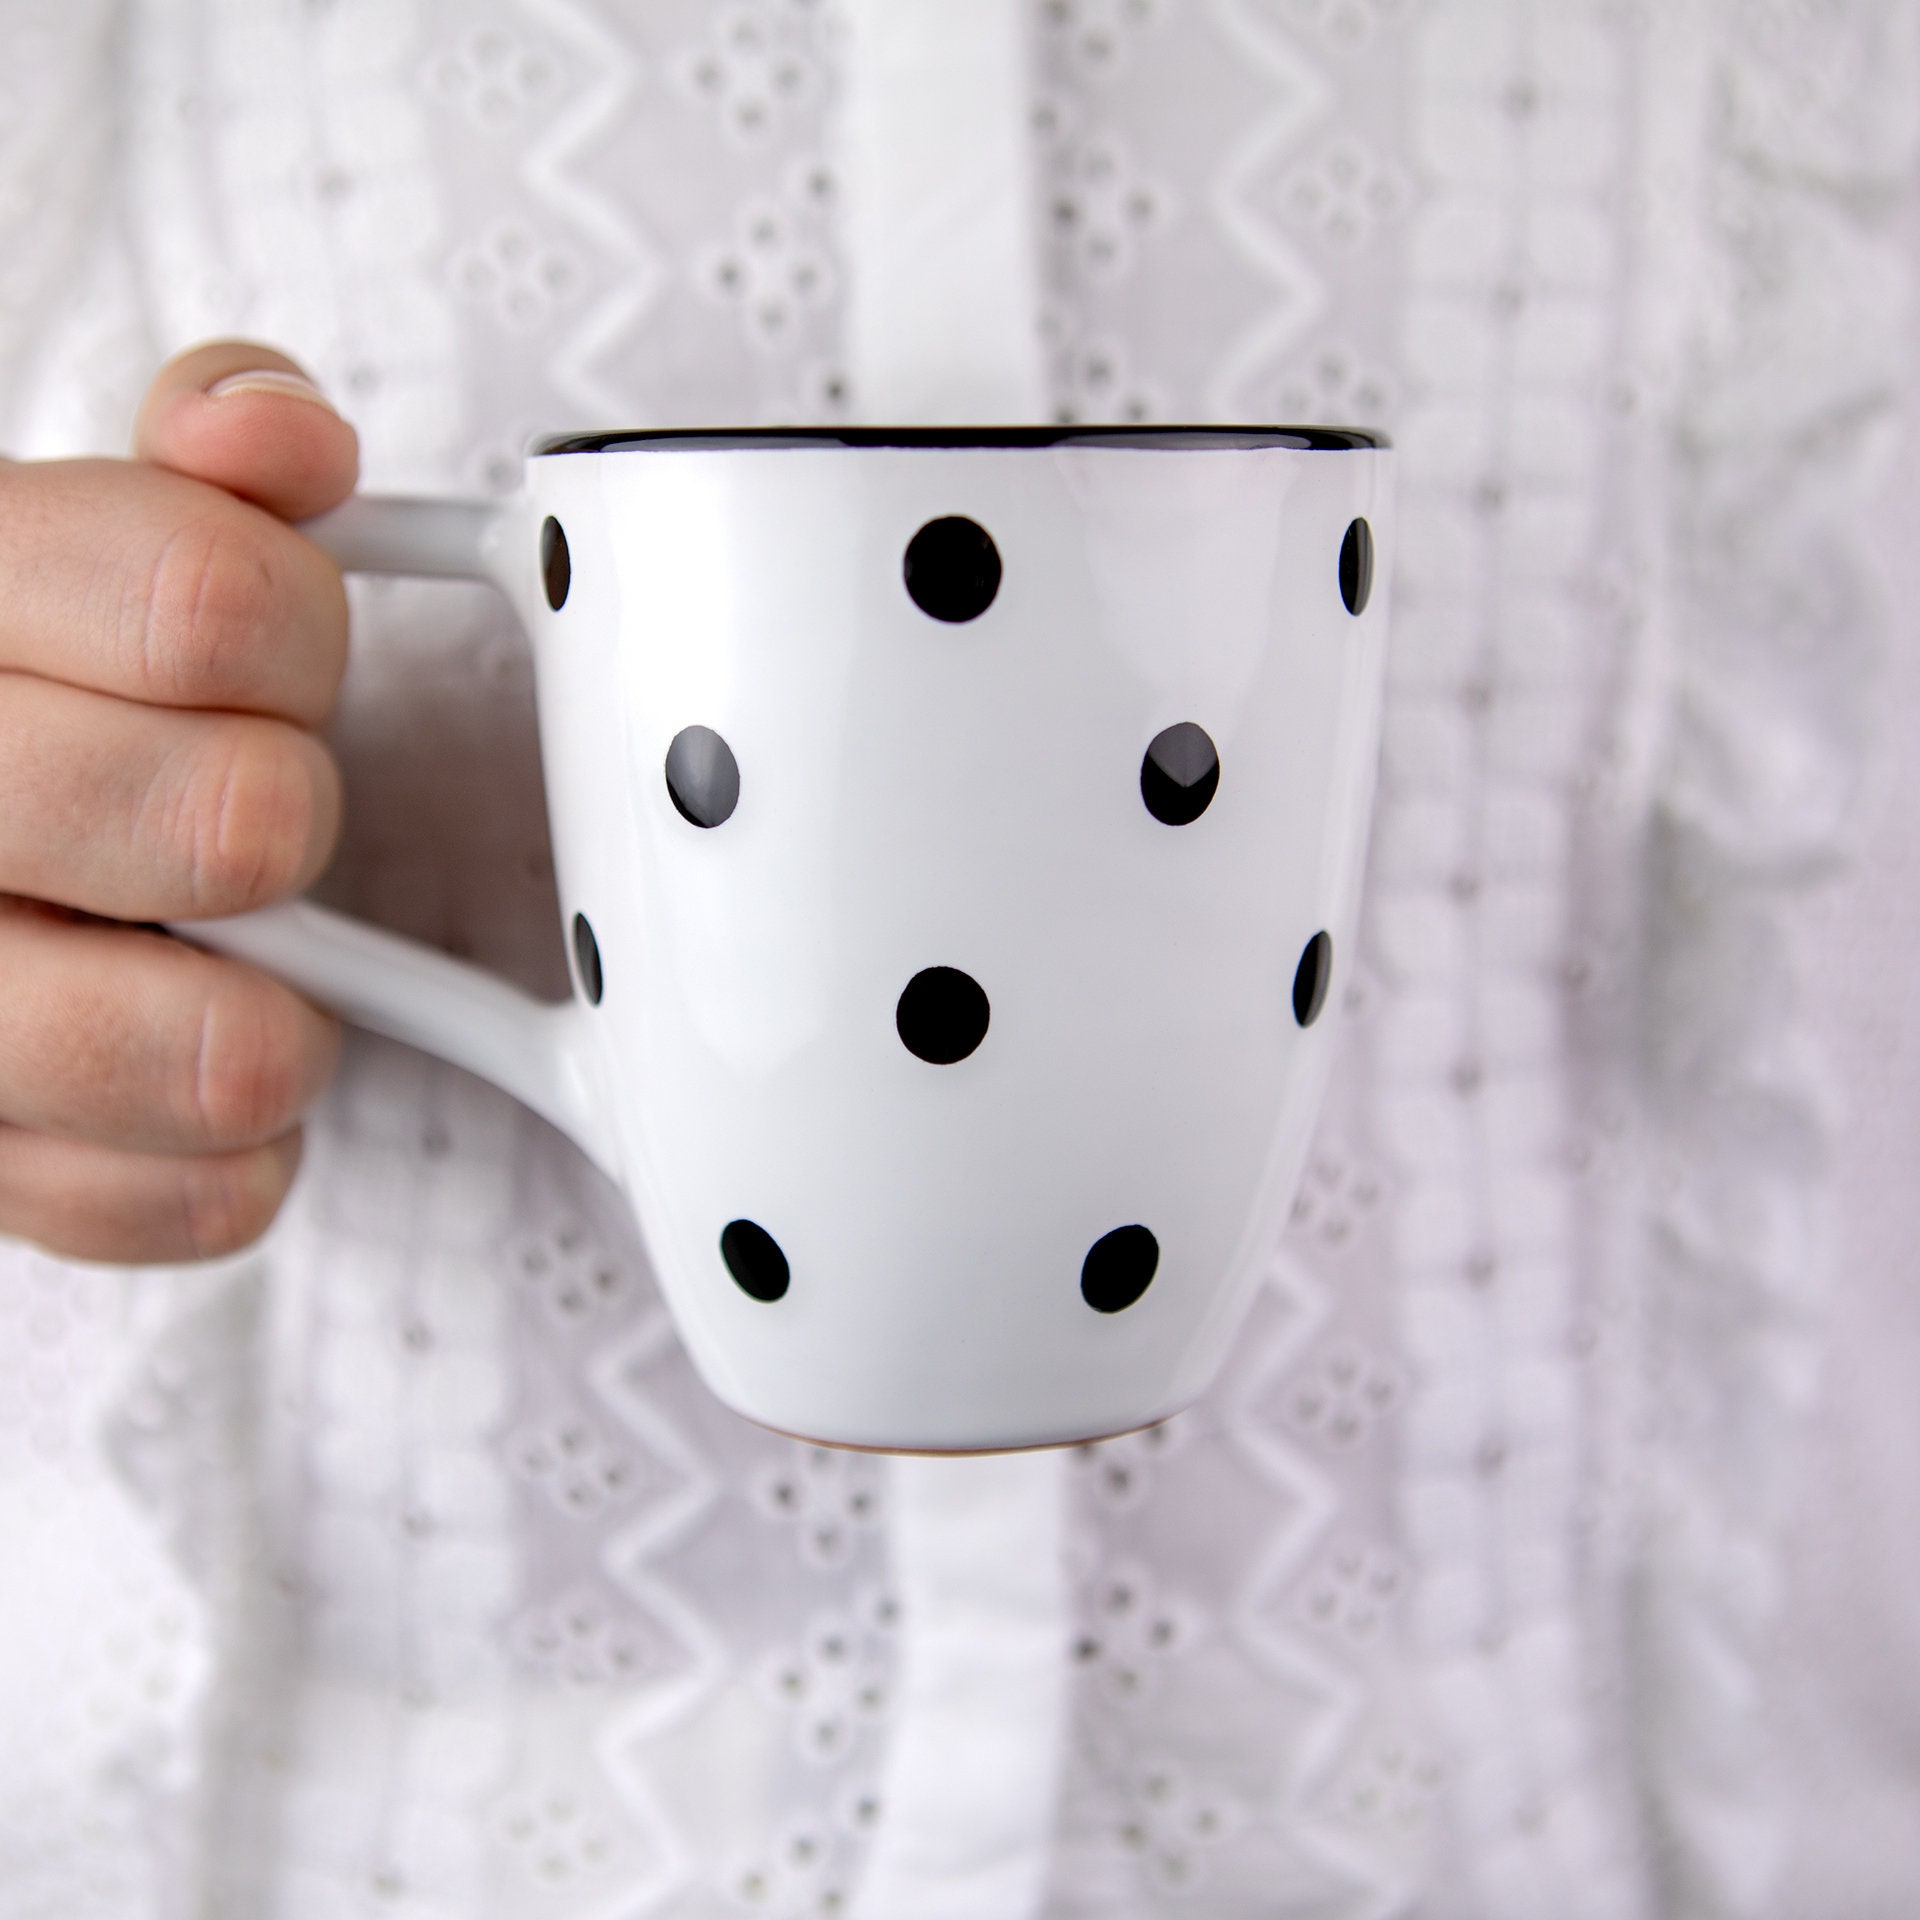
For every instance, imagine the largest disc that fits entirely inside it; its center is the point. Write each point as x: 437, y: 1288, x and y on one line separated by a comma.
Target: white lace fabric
x: 404, y: 1568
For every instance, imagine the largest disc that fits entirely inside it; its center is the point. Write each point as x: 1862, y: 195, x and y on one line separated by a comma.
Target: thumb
x: 248, y: 419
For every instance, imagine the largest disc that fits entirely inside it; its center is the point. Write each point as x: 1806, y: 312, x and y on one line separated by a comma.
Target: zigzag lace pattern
x: 427, y: 1582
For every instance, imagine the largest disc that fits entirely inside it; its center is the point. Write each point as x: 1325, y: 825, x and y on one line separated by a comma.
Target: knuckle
x: 204, y: 609
x: 229, y: 1202
x: 248, y: 823
x: 248, y: 1078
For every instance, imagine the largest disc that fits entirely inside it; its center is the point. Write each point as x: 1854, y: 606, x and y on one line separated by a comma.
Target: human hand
x: 167, y: 645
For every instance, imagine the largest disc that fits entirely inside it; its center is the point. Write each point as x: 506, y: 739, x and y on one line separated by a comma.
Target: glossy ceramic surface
x: 958, y: 838
x: 918, y: 793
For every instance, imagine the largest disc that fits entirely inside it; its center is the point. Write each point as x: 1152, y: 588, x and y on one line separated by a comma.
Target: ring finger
x: 128, y: 1039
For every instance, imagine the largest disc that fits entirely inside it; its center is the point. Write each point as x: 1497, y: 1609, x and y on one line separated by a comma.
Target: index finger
x: 140, y: 582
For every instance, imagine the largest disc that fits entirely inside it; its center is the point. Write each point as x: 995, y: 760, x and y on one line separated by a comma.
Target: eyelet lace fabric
x: 404, y: 1568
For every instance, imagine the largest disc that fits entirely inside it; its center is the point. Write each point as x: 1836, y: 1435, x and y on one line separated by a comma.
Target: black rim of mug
x: 1147, y: 439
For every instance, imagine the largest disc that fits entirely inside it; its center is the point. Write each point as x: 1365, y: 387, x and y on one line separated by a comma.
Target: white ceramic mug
x: 958, y: 834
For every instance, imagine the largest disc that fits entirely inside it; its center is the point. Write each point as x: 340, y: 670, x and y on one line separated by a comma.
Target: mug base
x: 963, y: 1453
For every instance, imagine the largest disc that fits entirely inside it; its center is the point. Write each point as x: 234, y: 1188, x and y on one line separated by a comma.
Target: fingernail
x: 270, y: 380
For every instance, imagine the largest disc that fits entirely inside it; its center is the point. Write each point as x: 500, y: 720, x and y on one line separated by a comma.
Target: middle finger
x: 144, y: 813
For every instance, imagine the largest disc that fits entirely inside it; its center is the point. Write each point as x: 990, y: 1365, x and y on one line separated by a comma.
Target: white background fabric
x: 405, y: 1569
x: 1849, y: 1640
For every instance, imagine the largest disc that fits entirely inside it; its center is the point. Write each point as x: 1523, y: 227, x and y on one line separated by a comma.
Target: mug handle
x: 538, y: 1051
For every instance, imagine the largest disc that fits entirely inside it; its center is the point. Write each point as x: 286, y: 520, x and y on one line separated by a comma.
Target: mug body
x: 959, y: 835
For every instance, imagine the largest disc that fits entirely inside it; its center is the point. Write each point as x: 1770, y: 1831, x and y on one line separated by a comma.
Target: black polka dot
x: 1356, y: 567
x: 1179, y: 774
x: 586, y: 957
x: 952, y: 569
x: 556, y: 563
x: 942, y: 1015
x: 754, y: 1259
x: 703, y: 776
x: 1310, y: 979
x: 1118, y: 1268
